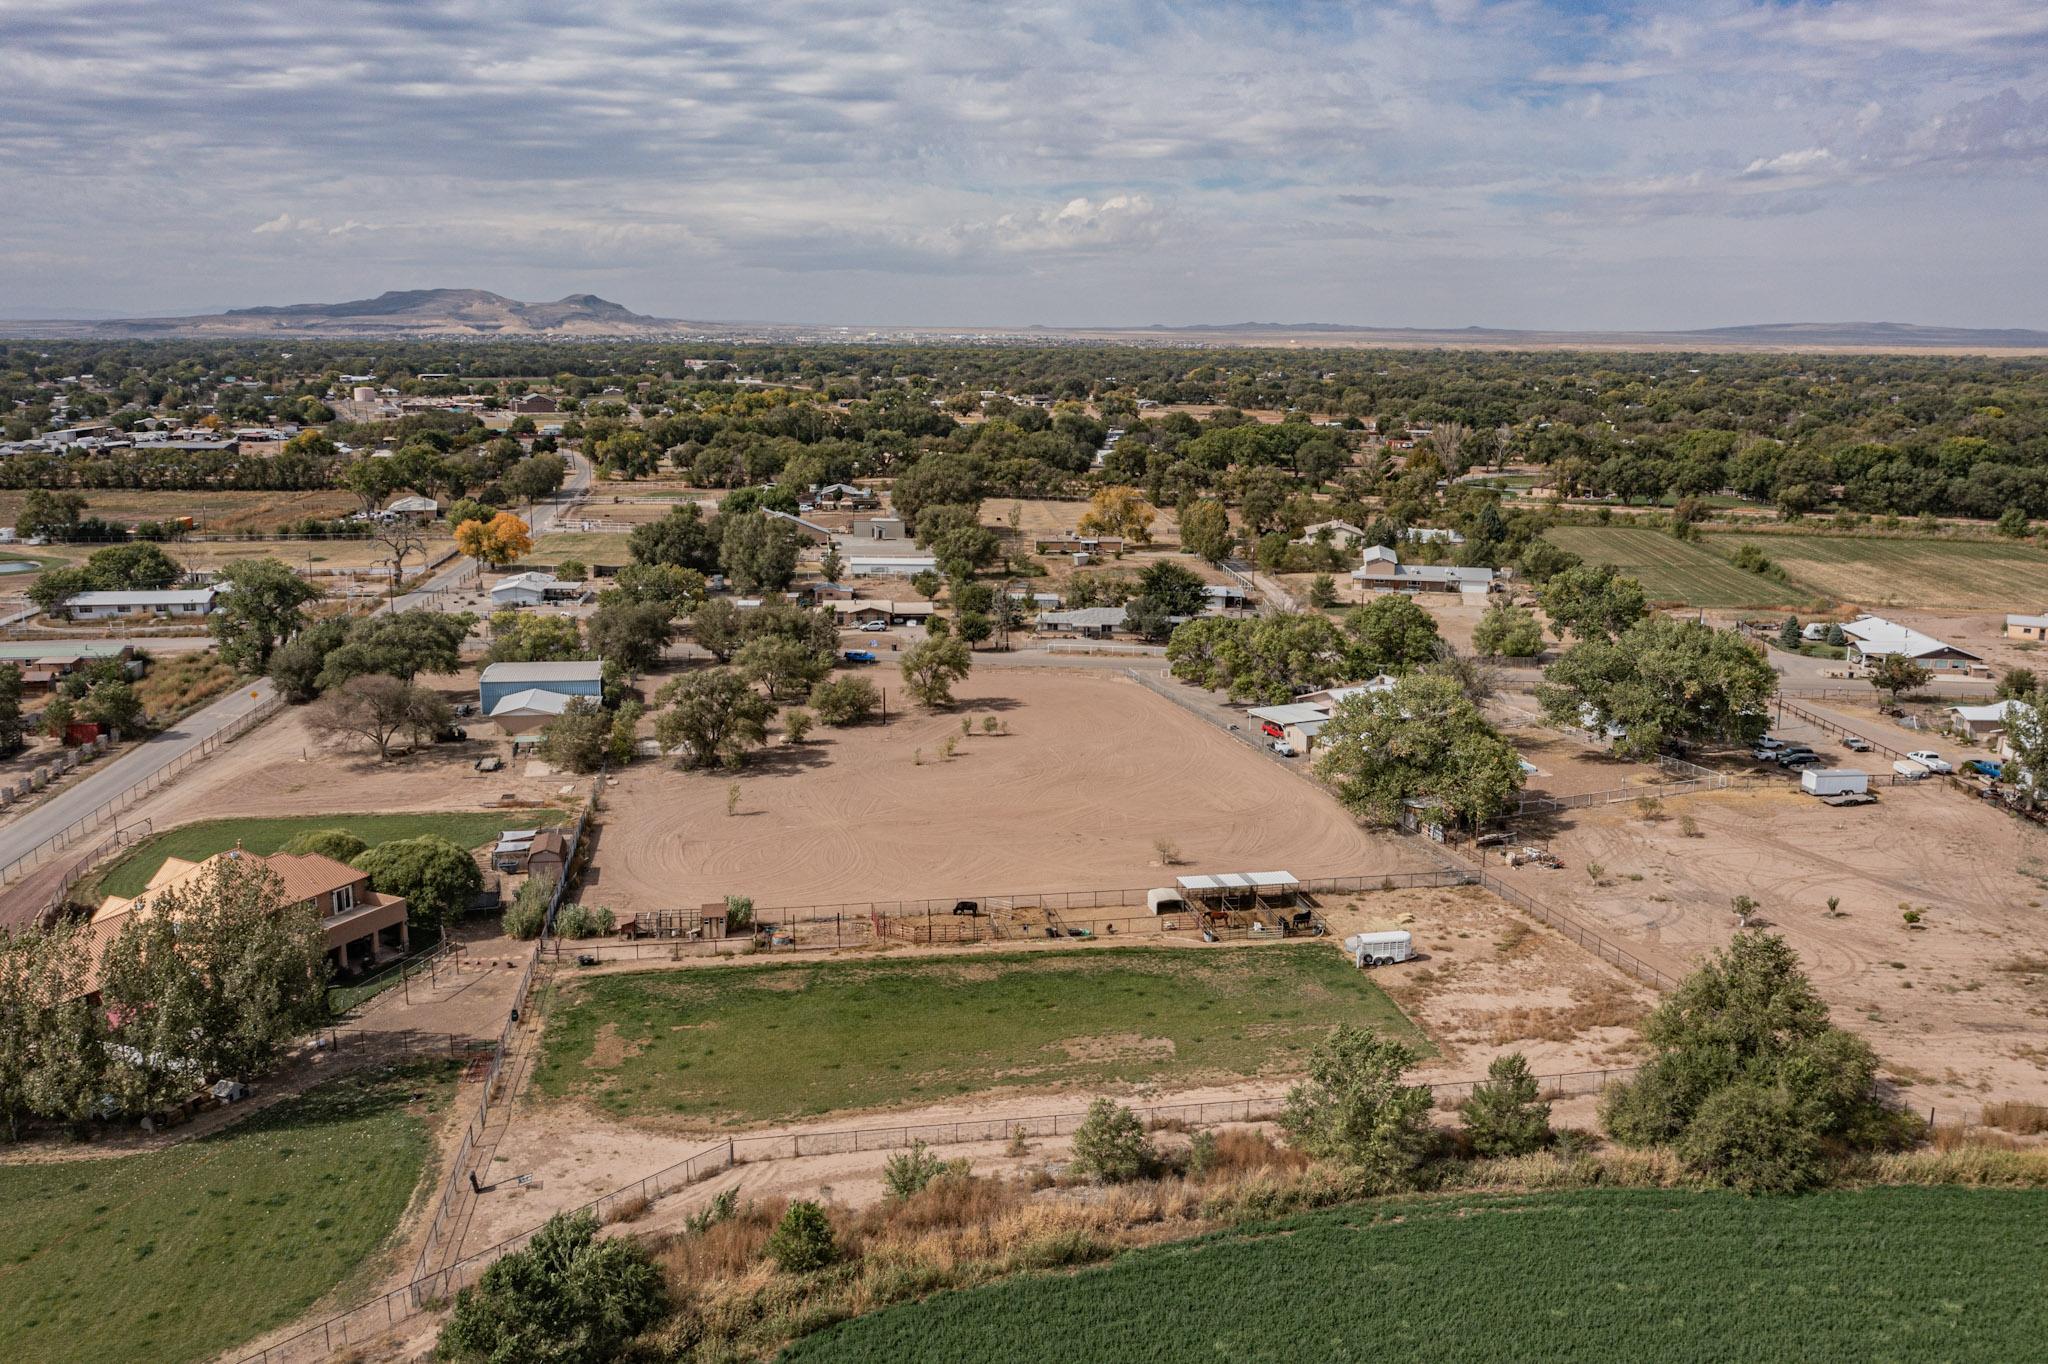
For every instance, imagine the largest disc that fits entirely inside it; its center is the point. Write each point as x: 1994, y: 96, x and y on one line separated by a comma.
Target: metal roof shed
x: 1241, y: 887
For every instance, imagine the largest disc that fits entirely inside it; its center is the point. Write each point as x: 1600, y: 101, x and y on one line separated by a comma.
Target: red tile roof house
x: 363, y: 928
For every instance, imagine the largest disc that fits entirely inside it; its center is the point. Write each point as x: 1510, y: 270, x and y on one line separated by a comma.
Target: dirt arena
x: 1954, y: 1005
x: 1092, y: 770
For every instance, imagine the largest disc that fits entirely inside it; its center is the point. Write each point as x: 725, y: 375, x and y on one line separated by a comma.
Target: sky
x: 1435, y: 163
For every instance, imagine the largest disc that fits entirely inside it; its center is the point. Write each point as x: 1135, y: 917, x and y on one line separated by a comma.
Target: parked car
x: 1856, y: 745
x: 860, y: 656
x: 493, y: 763
x: 1282, y: 747
x: 1931, y: 760
x: 1770, y: 744
x: 1798, y: 757
x: 453, y: 734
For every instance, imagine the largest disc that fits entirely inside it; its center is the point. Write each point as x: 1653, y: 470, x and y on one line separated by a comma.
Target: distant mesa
x: 478, y: 313
x: 398, y: 312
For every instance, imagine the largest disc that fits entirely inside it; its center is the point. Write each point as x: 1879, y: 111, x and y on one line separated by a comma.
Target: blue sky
x: 1428, y: 162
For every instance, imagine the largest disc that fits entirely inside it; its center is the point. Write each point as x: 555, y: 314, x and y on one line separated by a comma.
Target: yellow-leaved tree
x: 496, y: 542
x: 1119, y: 510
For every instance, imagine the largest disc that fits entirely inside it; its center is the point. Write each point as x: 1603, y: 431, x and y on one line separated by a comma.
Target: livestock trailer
x: 1383, y: 948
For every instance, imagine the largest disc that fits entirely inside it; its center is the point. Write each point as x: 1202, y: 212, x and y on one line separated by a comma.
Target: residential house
x: 1871, y: 638
x: 1090, y: 622
x: 362, y: 928
x: 1383, y: 571
x: 534, y: 589
x: 893, y: 566
x: 846, y: 495
x: 1991, y: 723
x: 1342, y: 534
x: 168, y: 604
x: 880, y: 615
x: 2027, y: 627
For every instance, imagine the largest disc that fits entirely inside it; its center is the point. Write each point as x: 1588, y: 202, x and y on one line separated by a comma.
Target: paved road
x: 106, y: 782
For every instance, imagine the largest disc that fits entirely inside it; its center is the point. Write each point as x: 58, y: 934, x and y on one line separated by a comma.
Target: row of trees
x: 1273, y: 658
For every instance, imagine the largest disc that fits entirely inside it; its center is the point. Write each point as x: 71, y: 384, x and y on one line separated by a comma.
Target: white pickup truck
x: 1931, y: 760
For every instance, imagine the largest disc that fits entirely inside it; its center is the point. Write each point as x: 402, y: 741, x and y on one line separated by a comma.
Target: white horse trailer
x: 1380, y: 949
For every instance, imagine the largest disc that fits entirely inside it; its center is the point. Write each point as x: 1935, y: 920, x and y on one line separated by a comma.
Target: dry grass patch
x: 2027, y: 1119
x: 1604, y: 1004
x: 176, y: 683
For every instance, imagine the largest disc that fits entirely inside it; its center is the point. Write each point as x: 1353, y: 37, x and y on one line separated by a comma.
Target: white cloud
x: 868, y: 160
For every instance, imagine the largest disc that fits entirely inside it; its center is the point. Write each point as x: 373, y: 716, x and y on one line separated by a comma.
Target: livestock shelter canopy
x: 1241, y: 887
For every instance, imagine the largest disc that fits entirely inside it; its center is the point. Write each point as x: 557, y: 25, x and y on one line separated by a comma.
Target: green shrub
x: 567, y: 1298
x: 908, y: 1172
x: 583, y: 921
x: 1110, y: 1144
x: 845, y: 700
x: 803, y: 1242
x: 339, y: 844
x: 528, y: 912
x: 1353, y: 1107
x: 1507, y: 1116
x: 1752, y: 1139
x: 739, y: 913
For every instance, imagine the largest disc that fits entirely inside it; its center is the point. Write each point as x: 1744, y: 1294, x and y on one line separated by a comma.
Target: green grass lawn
x: 1598, y: 1277
x: 1674, y: 571
x: 181, y: 1254
x: 471, y: 829
x: 1873, y: 570
x: 762, y: 1044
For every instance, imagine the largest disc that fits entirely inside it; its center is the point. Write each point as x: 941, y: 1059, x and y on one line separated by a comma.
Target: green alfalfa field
x: 1592, y: 1276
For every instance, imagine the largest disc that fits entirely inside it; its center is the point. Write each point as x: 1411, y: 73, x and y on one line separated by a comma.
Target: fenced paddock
x: 1067, y: 916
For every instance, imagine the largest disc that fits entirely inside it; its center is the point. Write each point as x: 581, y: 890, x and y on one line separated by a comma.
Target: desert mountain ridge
x: 479, y: 313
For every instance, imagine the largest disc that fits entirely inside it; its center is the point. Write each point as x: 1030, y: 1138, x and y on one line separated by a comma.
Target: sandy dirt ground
x: 1955, y: 1006
x: 283, y: 768
x: 1091, y: 771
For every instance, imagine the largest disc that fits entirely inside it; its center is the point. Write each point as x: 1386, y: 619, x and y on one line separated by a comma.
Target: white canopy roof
x: 1240, y: 880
